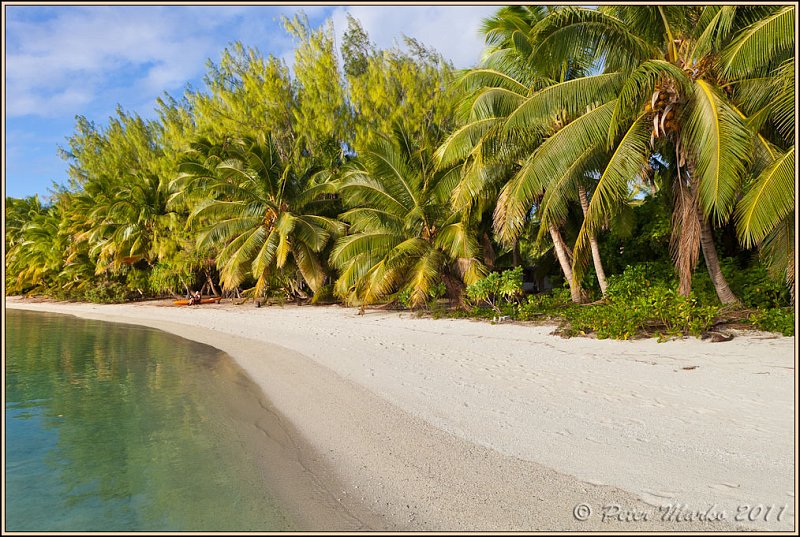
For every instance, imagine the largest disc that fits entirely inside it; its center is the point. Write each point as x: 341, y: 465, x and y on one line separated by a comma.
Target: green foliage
x: 247, y: 95
x: 138, y: 280
x: 642, y: 300
x: 639, y: 279
x: 775, y: 320
x: 436, y: 291
x: 106, y: 292
x: 752, y: 283
x: 321, y: 113
x: 267, y: 158
x: 544, y: 306
x: 170, y: 277
x: 385, y: 87
x: 497, y: 289
x: 324, y: 295
x: 661, y: 310
x: 259, y: 210
x: 402, y: 230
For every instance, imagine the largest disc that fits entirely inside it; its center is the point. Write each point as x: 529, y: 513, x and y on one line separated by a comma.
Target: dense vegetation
x: 638, y: 137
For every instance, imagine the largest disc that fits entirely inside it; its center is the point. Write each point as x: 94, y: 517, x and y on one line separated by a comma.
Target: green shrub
x: 543, y: 306
x: 642, y: 300
x: 404, y: 297
x: 496, y: 289
x: 775, y: 320
x: 139, y: 281
x: 109, y: 292
x: 637, y: 279
x: 661, y: 310
x: 751, y: 284
x: 323, y: 295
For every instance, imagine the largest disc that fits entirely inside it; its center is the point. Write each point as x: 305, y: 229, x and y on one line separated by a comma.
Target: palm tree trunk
x: 488, y: 252
x: 565, y: 260
x: 516, y: 257
x: 724, y: 292
x: 211, y: 283
x: 455, y: 289
x: 598, y: 263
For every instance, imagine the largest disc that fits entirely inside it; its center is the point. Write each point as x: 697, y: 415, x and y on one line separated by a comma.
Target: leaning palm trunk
x: 598, y: 263
x: 488, y: 252
x: 455, y: 289
x: 684, y: 241
x: 564, y: 259
x: 724, y: 292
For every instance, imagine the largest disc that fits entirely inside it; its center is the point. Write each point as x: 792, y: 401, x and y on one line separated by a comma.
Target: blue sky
x: 64, y: 61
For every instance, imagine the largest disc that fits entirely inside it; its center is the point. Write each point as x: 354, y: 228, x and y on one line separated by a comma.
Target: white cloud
x: 82, y: 51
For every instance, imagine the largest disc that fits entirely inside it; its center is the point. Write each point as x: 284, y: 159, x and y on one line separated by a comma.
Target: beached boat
x: 203, y: 301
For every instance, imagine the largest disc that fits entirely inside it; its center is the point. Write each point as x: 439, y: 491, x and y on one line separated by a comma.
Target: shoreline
x: 457, y: 425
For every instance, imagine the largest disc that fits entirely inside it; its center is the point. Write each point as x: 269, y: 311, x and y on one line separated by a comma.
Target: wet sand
x: 418, y: 424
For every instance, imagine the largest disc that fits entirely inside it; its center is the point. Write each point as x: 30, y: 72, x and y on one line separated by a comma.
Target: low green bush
x: 642, y: 300
x: 497, y: 289
x: 110, y: 292
x: 543, y: 306
x: 323, y: 295
x: 774, y: 320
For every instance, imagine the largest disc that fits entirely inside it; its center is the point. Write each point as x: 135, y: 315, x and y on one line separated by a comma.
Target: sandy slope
x: 457, y: 425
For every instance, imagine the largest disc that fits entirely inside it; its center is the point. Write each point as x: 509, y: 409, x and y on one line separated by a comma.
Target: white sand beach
x: 464, y: 425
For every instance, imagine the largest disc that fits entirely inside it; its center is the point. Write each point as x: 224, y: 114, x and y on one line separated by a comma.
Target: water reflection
x: 111, y: 427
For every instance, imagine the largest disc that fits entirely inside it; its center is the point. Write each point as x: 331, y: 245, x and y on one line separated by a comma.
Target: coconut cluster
x: 664, y: 105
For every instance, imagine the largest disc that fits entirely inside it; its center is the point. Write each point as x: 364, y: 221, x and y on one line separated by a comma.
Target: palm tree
x: 766, y: 94
x: 36, y: 259
x: 259, y: 211
x: 128, y: 219
x: 403, y: 232
x: 671, y: 106
x: 517, y: 118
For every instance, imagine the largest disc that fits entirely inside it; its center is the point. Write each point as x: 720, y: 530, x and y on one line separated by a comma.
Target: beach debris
x: 501, y: 318
x: 717, y: 337
x: 690, y: 367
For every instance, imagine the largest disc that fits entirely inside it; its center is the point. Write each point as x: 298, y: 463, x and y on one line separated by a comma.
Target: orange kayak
x: 203, y: 301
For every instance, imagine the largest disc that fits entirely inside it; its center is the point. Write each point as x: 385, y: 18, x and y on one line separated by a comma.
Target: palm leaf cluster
x: 259, y: 210
x: 402, y: 230
x: 689, y: 86
x: 545, y: 144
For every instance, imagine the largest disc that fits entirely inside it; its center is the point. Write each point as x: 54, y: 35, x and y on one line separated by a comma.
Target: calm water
x: 113, y: 427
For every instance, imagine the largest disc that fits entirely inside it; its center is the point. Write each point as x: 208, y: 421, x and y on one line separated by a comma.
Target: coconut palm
x: 766, y: 94
x: 512, y: 117
x: 36, y: 259
x: 128, y: 219
x: 403, y: 232
x: 671, y: 106
x: 258, y: 210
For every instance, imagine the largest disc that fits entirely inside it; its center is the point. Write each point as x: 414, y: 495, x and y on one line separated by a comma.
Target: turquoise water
x: 112, y: 427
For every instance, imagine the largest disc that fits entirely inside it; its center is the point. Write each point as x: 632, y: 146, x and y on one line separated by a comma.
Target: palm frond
x: 721, y: 145
x: 714, y: 27
x: 625, y: 163
x: 550, y: 160
x: 760, y: 44
x: 462, y: 141
x: 568, y: 32
x: 482, y: 78
x: 571, y: 97
x: 769, y: 200
x: 351, y: 246
x: 309, y: 265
